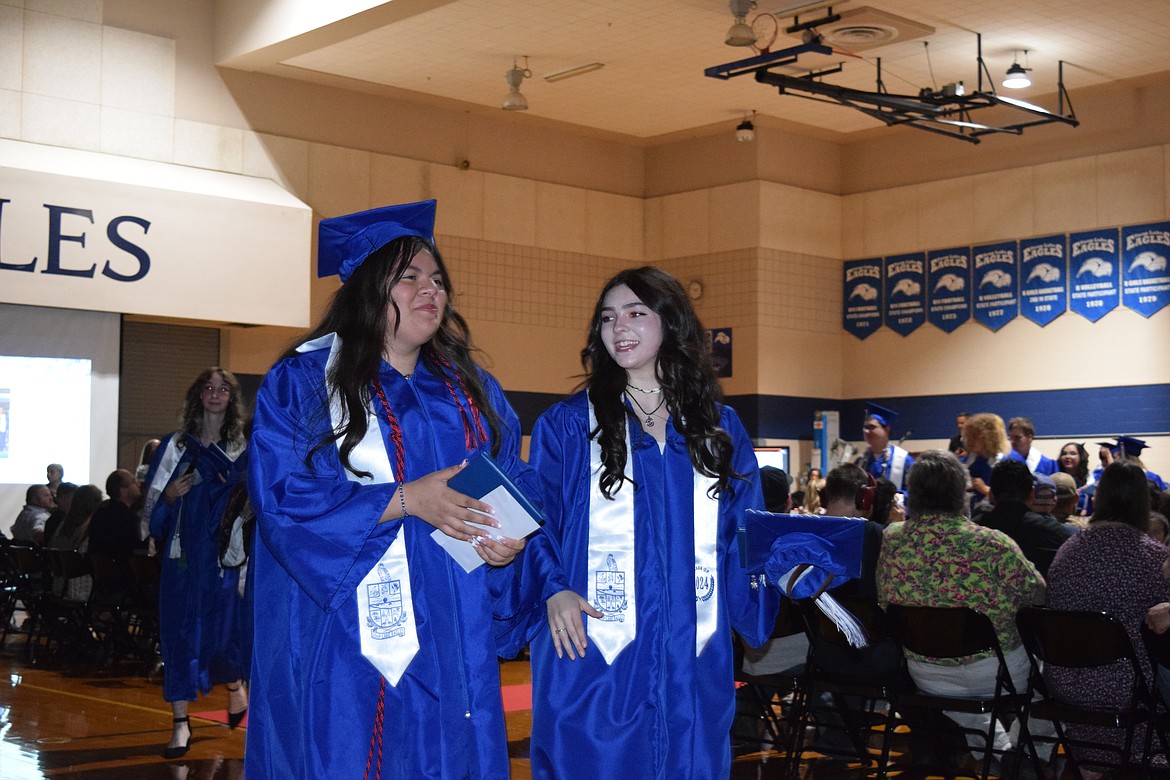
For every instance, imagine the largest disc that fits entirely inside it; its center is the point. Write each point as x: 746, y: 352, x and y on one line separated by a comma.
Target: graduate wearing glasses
x: 376, y: 652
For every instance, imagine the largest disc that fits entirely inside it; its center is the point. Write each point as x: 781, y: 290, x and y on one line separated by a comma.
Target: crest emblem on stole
x: 611, y: 591
x: 386, y: 617
x: 704, y: 583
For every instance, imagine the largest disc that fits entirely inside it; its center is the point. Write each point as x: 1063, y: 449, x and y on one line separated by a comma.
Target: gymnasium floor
x: 89, y: 724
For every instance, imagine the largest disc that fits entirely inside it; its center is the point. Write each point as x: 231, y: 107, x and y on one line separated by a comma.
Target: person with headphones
x: 850, y: 492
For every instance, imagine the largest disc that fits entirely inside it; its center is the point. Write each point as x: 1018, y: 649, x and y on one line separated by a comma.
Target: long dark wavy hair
x: 357, y: 314
x: 232, y: 430
x: 1081, y: 474
x: 684, y: 368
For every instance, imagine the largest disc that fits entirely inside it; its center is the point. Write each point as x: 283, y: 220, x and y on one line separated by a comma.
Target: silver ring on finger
x: 558, y: 632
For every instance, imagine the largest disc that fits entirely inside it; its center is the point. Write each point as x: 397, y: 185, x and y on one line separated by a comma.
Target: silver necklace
x: 643, y: 390
x: 649, y: 421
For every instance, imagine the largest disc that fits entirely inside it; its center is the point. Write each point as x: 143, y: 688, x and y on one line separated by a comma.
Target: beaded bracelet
x: 402, y: 498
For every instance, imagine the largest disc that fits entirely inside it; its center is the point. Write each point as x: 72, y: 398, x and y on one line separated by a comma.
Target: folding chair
x: 959, y: 632
x: 856, y: 680
x: 107, y: 616
x: 1082, y: 640
x: 33, y: 587
x: 66, y: 611
x: 769, y: 702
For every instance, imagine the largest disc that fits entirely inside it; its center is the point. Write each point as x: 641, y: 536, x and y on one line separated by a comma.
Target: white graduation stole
x: 897, y: 468
x: 1033, y: 459
x: 386, y: 620
x: 612, y: 571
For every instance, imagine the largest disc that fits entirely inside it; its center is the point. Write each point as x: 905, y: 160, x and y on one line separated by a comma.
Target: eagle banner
x: 1145, y: 280
x: 1043, y: 278
x: 997, y: 284
x: 949, y: 287
x: 862, y: 312
x: 1095, y: 284
x: 905, y: 292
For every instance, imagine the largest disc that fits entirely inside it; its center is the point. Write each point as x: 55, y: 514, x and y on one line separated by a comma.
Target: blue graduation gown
x: 658, y: 711
x: 883, y: 468
x: 314, y: 695
x: 203, y: 621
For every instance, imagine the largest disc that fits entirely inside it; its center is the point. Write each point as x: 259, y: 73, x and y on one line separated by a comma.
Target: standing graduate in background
x: 882, y: 458
x: 375, y: 652
x: 203, y: 619
x: 645, y: 477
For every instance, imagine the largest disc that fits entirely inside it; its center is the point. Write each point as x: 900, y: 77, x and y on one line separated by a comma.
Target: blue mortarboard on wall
x: 344, y: 242
x: 883, y: 415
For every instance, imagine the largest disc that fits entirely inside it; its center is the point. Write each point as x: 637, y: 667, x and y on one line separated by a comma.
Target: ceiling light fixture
x: 576, y: 70
x: 746, y: 130
x: 1017, y: 74
x: 514, y: 100
x: 740, y: 33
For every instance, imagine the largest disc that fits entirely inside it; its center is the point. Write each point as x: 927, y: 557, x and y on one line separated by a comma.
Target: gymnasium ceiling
x: 655, y: 51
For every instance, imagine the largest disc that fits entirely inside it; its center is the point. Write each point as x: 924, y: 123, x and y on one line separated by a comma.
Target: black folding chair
x: 960, y: 632
x: 66, y: 609
x: 859, y: 684
x: 1084, y: 640
x: 766, y: 704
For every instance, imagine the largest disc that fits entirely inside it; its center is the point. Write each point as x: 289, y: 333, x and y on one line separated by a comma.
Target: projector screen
x: 58, y: 398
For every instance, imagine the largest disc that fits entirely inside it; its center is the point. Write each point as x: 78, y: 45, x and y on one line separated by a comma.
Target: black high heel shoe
x: 235, y: 718
x: 180, y: 750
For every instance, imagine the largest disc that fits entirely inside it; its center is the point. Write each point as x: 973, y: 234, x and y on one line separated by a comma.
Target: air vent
x: 868, y: 28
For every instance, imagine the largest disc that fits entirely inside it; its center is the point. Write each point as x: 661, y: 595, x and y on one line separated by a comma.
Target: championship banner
x: 862, y: 310
x: 1145, y: 282
x: 1095, y: 284
x: 949, y: 284
x: 996, y: 278
x: 905, y: 292
x: 1043, y: 278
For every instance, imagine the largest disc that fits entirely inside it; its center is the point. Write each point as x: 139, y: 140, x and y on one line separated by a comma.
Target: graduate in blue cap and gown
x: 645, y: 477
x: 882, y: 458
x: 204, y: 610
x: 375, y: 652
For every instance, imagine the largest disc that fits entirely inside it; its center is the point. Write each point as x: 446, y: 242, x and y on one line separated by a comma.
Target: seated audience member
x: 73, y: 534
x: 956, y: 443
x: 939, y: 558
x: 986, y: 442
x: 782, y: 653
x: 1043, y: 497
x: 1111, y: 566
x: 888, y: 506
x: 1066, y: 499
x: 29, y: 525
x: 54, y: 472
x: 114, y: 527
x: 850, y: 492
x: 1020, y: 433
x: 1038, y: 535
x: 774, y: 483
x: 1159, y: 529
x: 64, y: 498
x: 73, y: 531
x: 812, y: 497
x: 881, y: 457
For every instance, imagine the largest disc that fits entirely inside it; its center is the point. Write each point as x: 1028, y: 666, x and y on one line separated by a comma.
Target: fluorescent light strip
x: 576, y: 70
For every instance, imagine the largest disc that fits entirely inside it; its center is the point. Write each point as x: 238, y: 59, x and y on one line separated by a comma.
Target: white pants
x: 977, y: 679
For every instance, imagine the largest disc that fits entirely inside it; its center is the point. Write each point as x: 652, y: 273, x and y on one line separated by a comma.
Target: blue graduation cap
x: 776, y: 544
x: 886, y: 417
x: 1130, y: 445
x: 1114, y: 447
x: 343, y: 243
